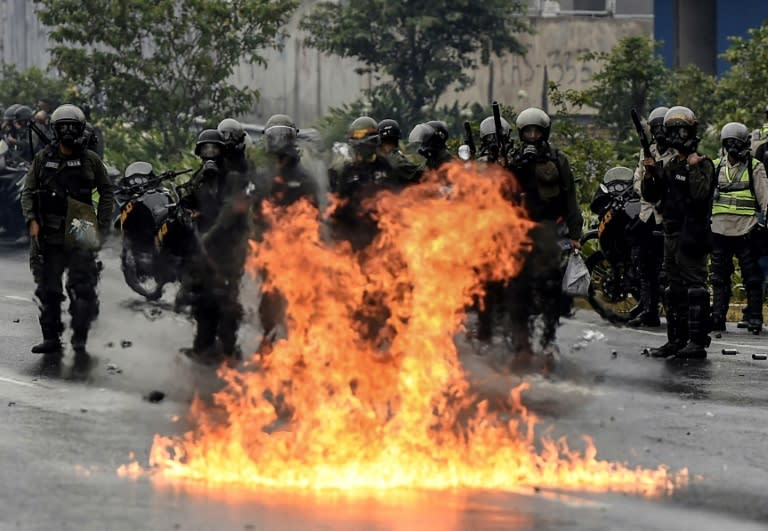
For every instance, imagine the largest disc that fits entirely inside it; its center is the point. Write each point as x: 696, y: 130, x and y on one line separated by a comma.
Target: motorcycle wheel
x: 146, y: 286
x: 606, y: 293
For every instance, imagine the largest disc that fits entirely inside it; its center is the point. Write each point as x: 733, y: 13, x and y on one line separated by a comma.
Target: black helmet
x: 233, y: 134
x: 735, y: 139
x: 210, y: 144
x: 431, y: 138
x: 533, y: 117
x: 488, y: 130
x: 23, y: 113
x: 68, y: 124
x: 389, y: 131
x: 681, y: 127
x: 10, y: 113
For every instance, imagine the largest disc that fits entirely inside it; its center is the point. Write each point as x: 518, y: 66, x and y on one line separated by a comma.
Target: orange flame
x: 345, y: 405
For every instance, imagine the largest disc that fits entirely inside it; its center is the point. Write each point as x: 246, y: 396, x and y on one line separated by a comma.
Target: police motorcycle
x: 156, y: 232
x: 12, y: 173
x: 614, y: 289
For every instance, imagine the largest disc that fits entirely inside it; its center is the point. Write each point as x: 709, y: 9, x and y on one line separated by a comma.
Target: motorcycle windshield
x: 143, y: 169
x: 618, y: 174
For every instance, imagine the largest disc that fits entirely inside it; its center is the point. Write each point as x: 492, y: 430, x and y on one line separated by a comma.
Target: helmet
x: 679, y: 116
x: 210, y: 144
x: 681, y: 126
x: 363, y: 129
x: 431, y: 137
x: 735, y: 139
x: 488, y: 130
x: 389, y: 130
x: 657, y: 117
x: 363, y: 136
x: 233, y: 134
x: 280, y: 119
x: 68, y: 123
x: 10, y: 112
x: 23, y: 113
x: 533, y: 117
x: 281, y: 140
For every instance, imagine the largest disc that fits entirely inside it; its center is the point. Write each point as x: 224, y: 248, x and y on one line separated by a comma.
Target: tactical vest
x: 59, y: 179
x: 735, y: 197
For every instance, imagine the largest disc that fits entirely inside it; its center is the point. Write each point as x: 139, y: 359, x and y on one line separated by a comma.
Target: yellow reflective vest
x: 735, y: 196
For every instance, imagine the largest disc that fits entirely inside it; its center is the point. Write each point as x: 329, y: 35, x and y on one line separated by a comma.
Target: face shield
x: 280, y: 140
x: 209, y: 151
x: 364, y: 143
x: 532, y: 134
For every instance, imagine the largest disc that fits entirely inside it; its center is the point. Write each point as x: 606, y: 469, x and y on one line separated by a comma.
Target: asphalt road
x: 62, y: 440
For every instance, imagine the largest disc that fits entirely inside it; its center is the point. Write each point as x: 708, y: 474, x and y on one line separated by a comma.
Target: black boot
x: 677, y: 331
x: 721, y: 295
x: 48, y: 346
x: 698, y: 325
x: 754, y: 310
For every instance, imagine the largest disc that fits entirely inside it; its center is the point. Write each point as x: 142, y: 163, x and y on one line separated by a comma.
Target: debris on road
x: 10, y: 404
x: 114, y: 369
x: 760, y: 357
x: 110, y: 344
x: 154, y: 397
x: 125, y: 343
x: 646, y: 351
x: 592, y: 335
x: 614, y: 354
x: 730, y: 352
x: 17, y: 320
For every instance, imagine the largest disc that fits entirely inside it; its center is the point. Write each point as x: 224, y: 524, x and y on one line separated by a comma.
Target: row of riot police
x: 704, y: 208
x: 226, y: 194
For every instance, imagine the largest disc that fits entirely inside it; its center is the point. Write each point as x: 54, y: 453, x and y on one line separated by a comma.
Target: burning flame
x: 368, y: 392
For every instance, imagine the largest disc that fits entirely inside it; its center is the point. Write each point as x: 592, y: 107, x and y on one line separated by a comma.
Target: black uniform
x: 56, y: 186
x: 548, y: 193
x: 355, y: 182
x: 685, y: 193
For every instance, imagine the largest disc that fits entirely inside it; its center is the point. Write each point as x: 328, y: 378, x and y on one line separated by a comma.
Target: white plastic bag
x: 576, y: 279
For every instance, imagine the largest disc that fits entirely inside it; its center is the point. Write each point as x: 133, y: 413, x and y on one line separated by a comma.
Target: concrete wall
x: 305, y: 83
x: 23, y: 40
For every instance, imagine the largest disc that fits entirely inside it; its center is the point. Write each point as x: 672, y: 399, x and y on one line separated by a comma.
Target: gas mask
x: 660, y: 137
x: 69, y: 134
x: 736, y: 149
x: 683, y: 139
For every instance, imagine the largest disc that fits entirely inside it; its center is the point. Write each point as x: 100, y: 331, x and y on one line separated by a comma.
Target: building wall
x: 305, y: 83
x: 697, y: 31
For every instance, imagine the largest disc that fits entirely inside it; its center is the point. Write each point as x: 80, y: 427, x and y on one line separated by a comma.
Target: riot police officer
x: 431, y: 138
x: 403, y: 169
x: 684, y: 186
x: 64, y: 231
x: 548, y: 193
x: 647, y: 247
x: 357, y: 179
x: 234, y: 137
x: 742, y: 193
x: 491, y: 146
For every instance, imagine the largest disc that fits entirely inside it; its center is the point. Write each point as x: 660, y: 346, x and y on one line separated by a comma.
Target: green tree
x: 160, y: 63
x: 417, y: 49
x: 632, y: 76
x: 29, y: 86
x: 742, y: 89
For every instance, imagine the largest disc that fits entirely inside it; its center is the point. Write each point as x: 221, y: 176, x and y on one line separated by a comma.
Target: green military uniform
x: 403, y: 169
x: 56, y: 186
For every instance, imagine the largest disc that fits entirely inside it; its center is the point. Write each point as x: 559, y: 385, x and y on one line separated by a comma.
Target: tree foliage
x: 742, y: 89
x: 417, y: 49
x: 631, y: 76
x: 29, y: 86
x: 160, y: 63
